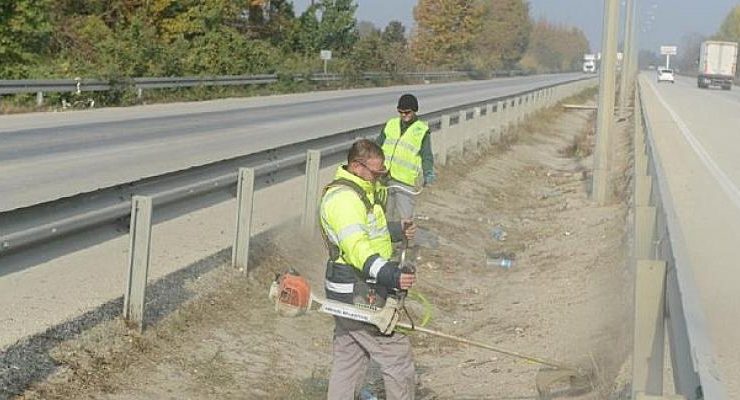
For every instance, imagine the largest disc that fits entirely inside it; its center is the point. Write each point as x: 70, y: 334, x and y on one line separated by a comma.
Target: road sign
x: 326, y: 56
x: 668, y: 50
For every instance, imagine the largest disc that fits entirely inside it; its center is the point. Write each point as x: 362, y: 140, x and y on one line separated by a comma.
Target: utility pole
x: 625, y: 88
x: 605, y: 117
x: 635, y: 45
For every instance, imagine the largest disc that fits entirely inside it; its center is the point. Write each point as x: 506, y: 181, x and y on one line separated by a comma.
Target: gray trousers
x: 352, y: 352
x: 400, y: 204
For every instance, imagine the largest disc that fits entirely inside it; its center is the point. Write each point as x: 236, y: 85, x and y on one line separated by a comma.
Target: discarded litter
x: 503, y: 260
x: 367, y: 394
x: 498, y: 233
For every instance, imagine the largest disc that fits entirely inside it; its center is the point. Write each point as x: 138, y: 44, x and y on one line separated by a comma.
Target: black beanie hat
x: 408, y: 102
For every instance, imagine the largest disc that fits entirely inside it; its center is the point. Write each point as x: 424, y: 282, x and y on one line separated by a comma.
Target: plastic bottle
x: 503, y: 260
x: 367, y: 394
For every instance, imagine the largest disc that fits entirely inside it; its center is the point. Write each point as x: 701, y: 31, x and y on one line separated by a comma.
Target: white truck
x: 717, y: 64
x: 589, y: 63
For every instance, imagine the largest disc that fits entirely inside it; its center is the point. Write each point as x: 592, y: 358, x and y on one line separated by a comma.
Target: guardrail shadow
x: 29, y: 360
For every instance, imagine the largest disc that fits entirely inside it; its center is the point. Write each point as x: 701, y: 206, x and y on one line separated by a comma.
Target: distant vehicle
x: 717, y: 64
x: 589, y: 63
x: 589, y: 67
x: 665, y: 75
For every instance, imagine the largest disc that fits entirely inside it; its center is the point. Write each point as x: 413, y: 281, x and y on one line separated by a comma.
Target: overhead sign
x: 325, y: 54
x: 668, y: 50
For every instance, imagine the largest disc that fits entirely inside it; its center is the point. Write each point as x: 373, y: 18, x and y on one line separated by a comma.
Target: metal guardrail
x: 695, y: 376
x: 52, y: 85
x: 208, y: 184
x: 93, y: 85
x: 178, y: 82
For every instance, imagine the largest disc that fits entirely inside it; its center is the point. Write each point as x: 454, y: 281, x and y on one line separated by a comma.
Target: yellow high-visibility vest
x: 359, y: 231
x: 402, y: 151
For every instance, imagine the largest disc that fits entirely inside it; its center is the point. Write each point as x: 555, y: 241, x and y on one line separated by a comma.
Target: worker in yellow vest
x: 360, y: 271
x: 407, y: 146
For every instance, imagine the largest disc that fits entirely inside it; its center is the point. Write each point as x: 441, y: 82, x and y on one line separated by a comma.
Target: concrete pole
x: 139, y: 257
x: 244, y: 212
x: 605, y: 117
x: 625, y: 88
x: 634, y: 69
x: 632, y: 66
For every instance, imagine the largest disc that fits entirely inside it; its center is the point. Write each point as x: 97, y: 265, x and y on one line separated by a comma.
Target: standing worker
x: 359, y: 271
x: 407, y: 146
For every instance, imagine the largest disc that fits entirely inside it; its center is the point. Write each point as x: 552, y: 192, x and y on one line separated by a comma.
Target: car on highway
x: 665, y: 75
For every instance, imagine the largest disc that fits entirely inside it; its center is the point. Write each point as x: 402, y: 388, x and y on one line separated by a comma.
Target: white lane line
x: 724, y: 181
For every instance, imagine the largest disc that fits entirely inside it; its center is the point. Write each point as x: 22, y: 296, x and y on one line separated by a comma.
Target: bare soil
x: 568, y: 296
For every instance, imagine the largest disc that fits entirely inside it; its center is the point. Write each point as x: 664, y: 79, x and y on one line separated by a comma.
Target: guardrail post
x: 39, y: 99
x: 244, y: 210
x: 442, y: 140
x: 462, y: 128
x: 499, y: 122
x: 509, y: 114
x: 643, y: 190
x: 489, y: 123
x: 138, y: 261
x: 139, y: 93
x: 641, y: 161
x: 553, y: 95
x: 477, y: 128
x: 519, y: 110
x: 311, y: 203
x: 541, y: 98
x: 645, y: 220
x: 649, y: 328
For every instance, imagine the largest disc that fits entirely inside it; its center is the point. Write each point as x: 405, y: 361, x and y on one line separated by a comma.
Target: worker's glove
x: 429, y: 178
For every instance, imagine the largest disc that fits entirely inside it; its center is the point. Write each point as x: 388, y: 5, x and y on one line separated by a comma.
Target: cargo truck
x: 717, y: 64
x: 589, y: 63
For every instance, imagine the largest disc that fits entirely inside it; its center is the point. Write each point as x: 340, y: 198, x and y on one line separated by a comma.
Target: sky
x: 662, y: 22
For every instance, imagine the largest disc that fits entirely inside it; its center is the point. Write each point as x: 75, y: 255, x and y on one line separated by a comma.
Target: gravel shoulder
x: 568, y: 297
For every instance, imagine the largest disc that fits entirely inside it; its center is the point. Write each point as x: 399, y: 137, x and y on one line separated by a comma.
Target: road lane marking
x: 724, y: 181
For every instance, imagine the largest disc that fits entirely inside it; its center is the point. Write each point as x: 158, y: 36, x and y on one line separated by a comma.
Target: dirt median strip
x: 566, y: 297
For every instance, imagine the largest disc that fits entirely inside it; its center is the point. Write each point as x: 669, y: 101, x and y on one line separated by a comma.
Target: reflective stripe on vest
x: 402, y: 156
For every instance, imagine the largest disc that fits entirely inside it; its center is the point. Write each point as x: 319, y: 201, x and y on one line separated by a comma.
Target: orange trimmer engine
x: 292, y: 295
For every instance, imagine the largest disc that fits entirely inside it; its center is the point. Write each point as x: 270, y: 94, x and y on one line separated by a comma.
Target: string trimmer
x: 292, y: 296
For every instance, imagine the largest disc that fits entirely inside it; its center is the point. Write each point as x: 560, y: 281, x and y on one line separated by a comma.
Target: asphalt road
x: 697, y: 134
x: 46, y: 156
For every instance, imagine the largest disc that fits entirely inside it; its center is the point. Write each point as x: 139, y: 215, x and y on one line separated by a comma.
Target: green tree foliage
x: 120, y: 39
x: 395, y: 32
x: 337, y: 27
x: 25, y: 31
x: 503, y: 34
x: 280, y: 25
x: 445, y: 30
x: 376, y: 50
x: 554, y: 48
x: 327, y: 25
x: 483, y: 34
x: 730, y: 28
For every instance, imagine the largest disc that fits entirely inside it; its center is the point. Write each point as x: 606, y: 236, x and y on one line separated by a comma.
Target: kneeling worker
x: 359, y: 271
